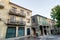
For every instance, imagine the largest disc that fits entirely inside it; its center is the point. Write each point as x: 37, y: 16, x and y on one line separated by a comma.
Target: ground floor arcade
x: 41, y: 30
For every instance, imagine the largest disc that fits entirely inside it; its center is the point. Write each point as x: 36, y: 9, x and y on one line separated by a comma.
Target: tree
x: 55, y: 14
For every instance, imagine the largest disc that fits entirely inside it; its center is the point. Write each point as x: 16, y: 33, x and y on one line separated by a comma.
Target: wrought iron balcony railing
x: 22, y: 14
x: 10, y: 22
x: 13, y: 11
x: 17, y: 13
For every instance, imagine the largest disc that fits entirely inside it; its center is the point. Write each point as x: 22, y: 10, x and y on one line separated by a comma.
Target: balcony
x: 22, y: 14
x: 16, y: 23
x: 1, y: 5
x: 13, y: 12
x: 22, y: 22
x: 16, y: 13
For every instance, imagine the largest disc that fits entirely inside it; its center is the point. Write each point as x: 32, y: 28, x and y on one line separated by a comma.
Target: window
x: 21, y: 18
x: 11, y: 32
x: 33, y: 20
x: 21, y: 31
x: 14, y: 9
x: 22, y: 11
x: 12, y: 18
x: 44, y: 22
x: 28, y: 14
x: 28, y: 20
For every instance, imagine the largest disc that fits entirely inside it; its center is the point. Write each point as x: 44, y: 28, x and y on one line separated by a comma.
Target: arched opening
x: 41, y: 29
x: 28, y: 31
x: 34, y: 31
x: 45, y: 30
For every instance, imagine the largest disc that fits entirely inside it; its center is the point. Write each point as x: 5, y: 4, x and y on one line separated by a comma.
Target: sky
x: 41, y: 7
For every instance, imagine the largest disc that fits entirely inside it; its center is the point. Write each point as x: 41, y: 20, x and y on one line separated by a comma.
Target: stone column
x: 25, y: 30
x: 50, y: 31
x: 47, y: 30
x: 17, y: 31
x: 43, y: 31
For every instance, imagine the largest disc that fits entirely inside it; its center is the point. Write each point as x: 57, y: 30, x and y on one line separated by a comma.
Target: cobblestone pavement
x: 39, y: 38
x: 29, y: 39
x: 42, y: 38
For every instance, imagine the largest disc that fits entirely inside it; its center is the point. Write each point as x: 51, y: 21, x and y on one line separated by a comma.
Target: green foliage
x: 55, y: 14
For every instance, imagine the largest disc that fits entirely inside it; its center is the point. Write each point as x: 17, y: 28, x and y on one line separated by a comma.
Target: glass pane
x: 21, y: 31
x: 11, y: 32
x: 28, y: 31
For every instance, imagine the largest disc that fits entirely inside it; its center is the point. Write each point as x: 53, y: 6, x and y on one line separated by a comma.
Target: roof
x: 40, y: 16
x: 43, y: 17
x: 19, y: 6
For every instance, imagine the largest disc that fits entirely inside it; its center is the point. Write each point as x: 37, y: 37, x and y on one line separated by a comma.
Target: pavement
x: 55, y: 37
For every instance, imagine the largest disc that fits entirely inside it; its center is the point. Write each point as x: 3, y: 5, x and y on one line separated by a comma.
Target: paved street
x: 25, y: 38
x: 29, y: 39
x: 40, y: 38
x: 44, y: 38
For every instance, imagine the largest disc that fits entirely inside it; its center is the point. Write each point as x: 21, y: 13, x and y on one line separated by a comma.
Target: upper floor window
x: 33, y: 20
x: 28, y: 14
x: 28, y: 20
x: 21, y: 19
x: 12, y: 18
x: 22, y: 11
x: 14, y: 9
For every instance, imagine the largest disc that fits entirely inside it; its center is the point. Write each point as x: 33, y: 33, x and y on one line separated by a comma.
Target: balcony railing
x: 18, y: 23
x: 13, y: 11
x: 22, y: 14
x: 1, y: 5
x: 22, y: 22
x: 17, y: 13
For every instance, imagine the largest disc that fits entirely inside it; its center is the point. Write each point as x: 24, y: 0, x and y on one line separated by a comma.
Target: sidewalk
x: 45, y: 37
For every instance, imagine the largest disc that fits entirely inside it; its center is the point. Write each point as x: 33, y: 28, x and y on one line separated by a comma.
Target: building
x: 41, y: 25
x: 15, y: 21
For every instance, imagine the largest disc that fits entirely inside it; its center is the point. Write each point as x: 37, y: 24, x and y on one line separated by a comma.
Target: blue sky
x: 41, y: 7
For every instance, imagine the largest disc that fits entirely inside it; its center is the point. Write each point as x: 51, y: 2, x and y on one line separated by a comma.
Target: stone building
x: 41, y: 25
x: 15, y: 20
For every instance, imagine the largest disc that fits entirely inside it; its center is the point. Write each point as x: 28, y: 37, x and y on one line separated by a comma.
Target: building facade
x: 15, y: 21
x: 41, y: 25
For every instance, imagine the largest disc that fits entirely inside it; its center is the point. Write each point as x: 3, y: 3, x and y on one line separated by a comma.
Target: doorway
x: 28, y: 31
x: 34, y: 31
x: 41, y: 29
x: 45, y: 30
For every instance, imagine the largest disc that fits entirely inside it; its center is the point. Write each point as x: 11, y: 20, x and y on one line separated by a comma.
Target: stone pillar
x: 17, y: 31
x: 50, y: 31
x: 30, y: 31
x: 3, y: 30
x: 47, y: 30
x: 43, y: 31
x: 25, y: 31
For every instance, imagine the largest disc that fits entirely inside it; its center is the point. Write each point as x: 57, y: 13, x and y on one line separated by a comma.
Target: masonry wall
x: 4, y: 15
